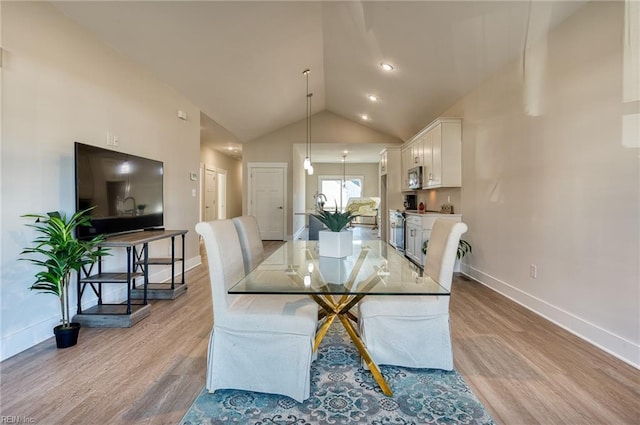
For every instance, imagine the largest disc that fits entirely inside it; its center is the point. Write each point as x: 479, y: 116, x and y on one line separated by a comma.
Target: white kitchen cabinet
x: 416, y: 153
x: 427, y: 156
x: 412, y: 156
x: 419, y: 230
x: 406, y: 165
x: 413, y: 245
x: 438, y: 149
x: 442, y: 154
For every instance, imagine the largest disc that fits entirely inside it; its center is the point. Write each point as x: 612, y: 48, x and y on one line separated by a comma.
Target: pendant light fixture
x: 344, y: 178
x: 307, y: 161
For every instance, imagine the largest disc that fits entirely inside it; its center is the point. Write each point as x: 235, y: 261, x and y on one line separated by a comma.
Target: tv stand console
x: 159, y: 291
x: 128, y: 313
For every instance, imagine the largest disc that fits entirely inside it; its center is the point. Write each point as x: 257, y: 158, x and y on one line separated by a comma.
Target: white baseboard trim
x: 27, y: 337
x: 619, y: 347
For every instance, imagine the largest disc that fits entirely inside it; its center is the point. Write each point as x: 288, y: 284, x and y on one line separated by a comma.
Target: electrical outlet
x: 533, y: 271
x: 115, y: 140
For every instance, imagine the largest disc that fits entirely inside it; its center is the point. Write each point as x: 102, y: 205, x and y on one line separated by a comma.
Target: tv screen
x: 126, y: 190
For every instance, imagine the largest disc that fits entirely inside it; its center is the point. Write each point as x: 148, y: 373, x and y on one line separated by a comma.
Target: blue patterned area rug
x: 342, y: 392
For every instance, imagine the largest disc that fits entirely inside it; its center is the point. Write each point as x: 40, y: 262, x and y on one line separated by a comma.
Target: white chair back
x: 250, y: 241
x: 414, y: 331
x: 442, y: 250
x: 226, y: 266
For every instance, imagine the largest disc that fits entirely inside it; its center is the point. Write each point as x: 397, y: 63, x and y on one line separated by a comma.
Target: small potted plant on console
x: 337, y: 241
x: 58, y: 253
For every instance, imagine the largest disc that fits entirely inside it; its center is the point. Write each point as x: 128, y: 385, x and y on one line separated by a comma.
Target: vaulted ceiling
x: 241, y: 62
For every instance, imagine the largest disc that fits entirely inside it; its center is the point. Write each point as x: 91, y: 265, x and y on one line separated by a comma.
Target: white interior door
x: 222, y: 195
x: 210, y: 195
x: 268, y: 201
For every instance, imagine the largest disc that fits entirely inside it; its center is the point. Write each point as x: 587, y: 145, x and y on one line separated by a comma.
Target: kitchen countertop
x: 428, y: 212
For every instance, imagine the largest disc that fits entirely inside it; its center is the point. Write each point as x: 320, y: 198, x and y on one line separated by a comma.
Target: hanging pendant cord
x: 307, y: 104
x: 308, y: 130
x: 344, y: 178
x: 309, y: 125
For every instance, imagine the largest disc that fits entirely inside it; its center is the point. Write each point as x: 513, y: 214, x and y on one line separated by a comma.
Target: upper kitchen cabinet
x: 406, y: 164
x: 416, y: 153
x: 442, y: 153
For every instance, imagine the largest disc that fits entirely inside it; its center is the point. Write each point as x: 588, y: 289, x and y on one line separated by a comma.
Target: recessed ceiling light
x: 372, y: 97
x: 386, y: 66
x: 365, y: 117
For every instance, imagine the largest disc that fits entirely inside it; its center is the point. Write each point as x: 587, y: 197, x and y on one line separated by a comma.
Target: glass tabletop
x: 374, y: 268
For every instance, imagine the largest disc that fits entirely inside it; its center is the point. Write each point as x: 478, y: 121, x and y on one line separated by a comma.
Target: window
x: 337, y: 194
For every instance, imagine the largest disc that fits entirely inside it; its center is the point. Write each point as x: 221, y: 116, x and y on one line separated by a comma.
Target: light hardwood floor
x: 524, y: 369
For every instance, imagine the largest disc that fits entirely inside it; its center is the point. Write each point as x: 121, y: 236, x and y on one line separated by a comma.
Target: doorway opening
x: 214, y: 201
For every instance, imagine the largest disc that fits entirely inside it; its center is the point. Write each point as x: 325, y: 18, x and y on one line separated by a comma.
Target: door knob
x: 280, y: 208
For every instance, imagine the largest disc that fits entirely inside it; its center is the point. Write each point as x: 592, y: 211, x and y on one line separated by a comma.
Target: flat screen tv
x: 126, y: 191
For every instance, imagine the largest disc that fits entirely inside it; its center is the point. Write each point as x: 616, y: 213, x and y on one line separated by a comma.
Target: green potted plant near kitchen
x: 58, y: 253
x: 336, y: 241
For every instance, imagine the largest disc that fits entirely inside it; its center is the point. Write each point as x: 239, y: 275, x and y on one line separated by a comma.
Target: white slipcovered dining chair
x: 261, y: 343
x: 414, y: 331
x: 250, y: 241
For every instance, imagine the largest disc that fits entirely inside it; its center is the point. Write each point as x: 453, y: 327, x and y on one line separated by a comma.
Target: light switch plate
x: 193, y: 176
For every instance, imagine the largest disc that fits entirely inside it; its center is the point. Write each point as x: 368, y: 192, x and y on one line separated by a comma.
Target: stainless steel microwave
x: 415, y: 178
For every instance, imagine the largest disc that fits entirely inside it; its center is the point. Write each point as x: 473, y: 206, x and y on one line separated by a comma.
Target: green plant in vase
x: 335, y: 220
x: 335, y: 241
x: 58, y: 253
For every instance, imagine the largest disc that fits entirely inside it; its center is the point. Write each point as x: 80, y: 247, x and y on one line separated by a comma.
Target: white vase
x: 335, y: 244
x: 334, y: 270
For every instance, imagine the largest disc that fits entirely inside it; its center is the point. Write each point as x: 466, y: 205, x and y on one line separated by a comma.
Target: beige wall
x: 279, y: 147
x: 433, y: 199
x: 211, y: 157
x: 550, y: 179
x: 60, y: 85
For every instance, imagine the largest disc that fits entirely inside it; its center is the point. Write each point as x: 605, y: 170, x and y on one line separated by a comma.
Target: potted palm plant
x: 337, y: 241
x: 58, y: 253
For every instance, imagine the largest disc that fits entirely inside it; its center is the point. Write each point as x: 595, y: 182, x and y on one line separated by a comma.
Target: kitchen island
x: 315, y: 225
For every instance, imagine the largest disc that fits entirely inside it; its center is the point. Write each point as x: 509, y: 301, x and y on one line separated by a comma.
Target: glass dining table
x: 338, y: 284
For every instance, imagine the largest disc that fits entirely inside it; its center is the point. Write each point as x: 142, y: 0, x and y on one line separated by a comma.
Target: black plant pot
x: 67, y: 337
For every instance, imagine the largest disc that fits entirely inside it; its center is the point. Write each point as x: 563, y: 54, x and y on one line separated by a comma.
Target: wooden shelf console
x: 160, y: 291
x: 129, y: 312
